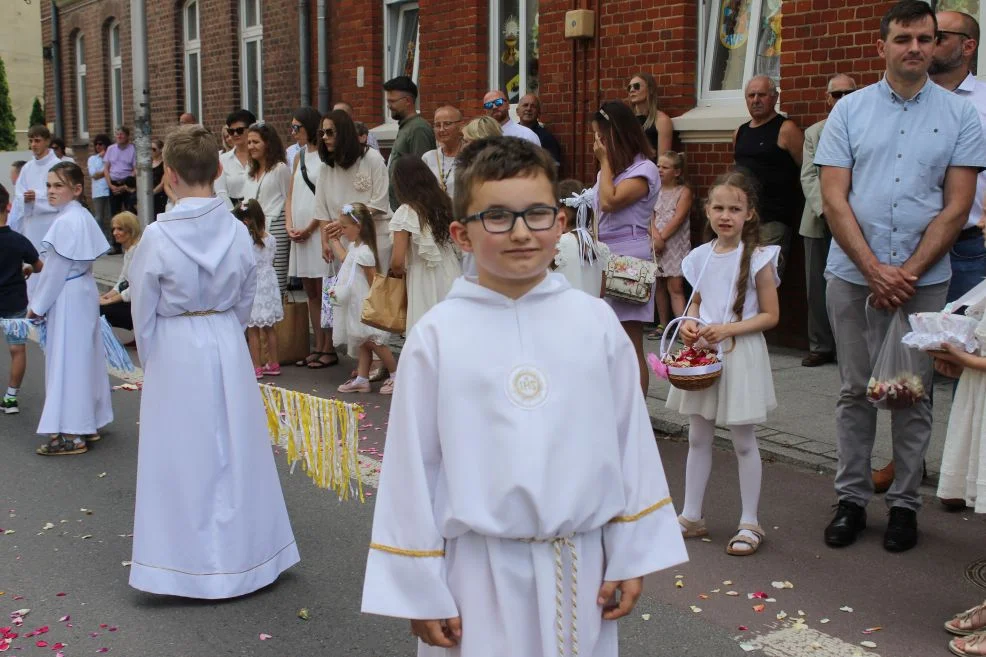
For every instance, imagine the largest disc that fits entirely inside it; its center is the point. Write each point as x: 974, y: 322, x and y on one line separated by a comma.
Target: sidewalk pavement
x: 800, y: 431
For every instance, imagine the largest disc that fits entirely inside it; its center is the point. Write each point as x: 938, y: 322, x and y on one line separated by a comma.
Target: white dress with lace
x: 581, y: 275
x: 267, y: 308
x: 431, y: 269
x: 350, y: 291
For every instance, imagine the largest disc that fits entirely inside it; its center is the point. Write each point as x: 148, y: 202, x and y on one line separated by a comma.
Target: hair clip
x: 348, y: 209
x: 604, y: 114
x: 245, y: 205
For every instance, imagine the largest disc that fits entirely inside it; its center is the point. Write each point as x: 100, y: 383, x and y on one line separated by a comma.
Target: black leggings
x: 118, y: 315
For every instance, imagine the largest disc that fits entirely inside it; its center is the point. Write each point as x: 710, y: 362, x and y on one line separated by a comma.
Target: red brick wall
x: 454, y: 52
x: 356, y: 39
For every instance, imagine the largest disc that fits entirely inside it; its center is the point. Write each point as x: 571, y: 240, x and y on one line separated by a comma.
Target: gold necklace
x: 443, y: 177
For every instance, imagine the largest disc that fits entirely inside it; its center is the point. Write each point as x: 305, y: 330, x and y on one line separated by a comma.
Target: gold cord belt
x: 557, y: 545
x: 199, y: 313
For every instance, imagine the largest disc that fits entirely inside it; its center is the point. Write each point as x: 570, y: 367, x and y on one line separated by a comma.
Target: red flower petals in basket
x: 690, y: 368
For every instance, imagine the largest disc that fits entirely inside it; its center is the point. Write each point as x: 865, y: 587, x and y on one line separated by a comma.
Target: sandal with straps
x: 976, y: 642
x: 693, y: 528
x: 754, y: 543
x: 61, y: 446
x: 968, y: 621
x: 320, y: 364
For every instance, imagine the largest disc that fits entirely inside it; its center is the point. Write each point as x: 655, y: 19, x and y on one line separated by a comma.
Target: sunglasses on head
x: 839, y: 93
x: 326, y: 133
x: 236, y: 131
x: 493, y: 103
x: 633, y: 86
x: 295, y: 127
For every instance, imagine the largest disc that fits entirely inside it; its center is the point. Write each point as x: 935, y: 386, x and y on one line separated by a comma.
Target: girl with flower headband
x: 580, y: 257
x: 671, y: 237
x: 360, y: 264
x: 267, y: 308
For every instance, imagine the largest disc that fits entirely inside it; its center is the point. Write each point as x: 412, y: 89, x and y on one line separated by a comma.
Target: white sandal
x: 754, y: 543
x: 693, y: 528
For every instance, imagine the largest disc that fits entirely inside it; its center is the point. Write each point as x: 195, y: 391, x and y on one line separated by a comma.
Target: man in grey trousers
x: 899, y: 161
x: 817, y: 237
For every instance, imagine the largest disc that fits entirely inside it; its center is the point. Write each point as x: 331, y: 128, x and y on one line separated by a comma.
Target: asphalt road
x: 82, y: 556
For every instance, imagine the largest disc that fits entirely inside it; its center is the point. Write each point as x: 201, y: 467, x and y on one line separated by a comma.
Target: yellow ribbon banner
x: 323, y: 434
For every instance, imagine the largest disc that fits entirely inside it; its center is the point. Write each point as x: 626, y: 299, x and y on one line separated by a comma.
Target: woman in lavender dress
x: 626, y: 189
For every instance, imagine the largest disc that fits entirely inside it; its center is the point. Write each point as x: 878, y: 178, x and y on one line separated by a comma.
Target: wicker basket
x: 689, y: 378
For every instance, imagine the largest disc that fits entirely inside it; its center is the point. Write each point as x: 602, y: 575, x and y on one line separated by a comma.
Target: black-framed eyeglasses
x: 236, y: 131
x: 839, y: 93
x: 633, y: 86
x: 330, y: 132
x: 493, y: 103
x: 502, y: 220
x: 940, y: 34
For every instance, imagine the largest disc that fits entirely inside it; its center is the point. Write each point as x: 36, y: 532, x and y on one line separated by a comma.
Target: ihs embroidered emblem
x: 527, y: 387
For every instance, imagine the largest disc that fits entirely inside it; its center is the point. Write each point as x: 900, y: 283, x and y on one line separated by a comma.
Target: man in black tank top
x: 769, y: 147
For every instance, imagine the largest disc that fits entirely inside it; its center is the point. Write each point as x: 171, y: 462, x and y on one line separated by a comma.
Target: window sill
x: 711, y: 124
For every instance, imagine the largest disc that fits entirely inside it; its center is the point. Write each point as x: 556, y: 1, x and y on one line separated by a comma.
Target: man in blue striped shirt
x: 898, y: 162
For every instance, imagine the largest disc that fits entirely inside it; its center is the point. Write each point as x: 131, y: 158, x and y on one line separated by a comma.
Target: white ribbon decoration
x: 583, y: 202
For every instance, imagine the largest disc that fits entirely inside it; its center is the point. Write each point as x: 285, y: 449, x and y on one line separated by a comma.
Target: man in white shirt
x: 100, y: 186
x: 498, y: 108
x: 31, y: 215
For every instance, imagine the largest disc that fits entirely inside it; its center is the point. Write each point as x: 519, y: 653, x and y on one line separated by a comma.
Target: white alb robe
x: 210, y: 520
x: 77, y: 387
x: 551, y: 441
x: 33, y: 219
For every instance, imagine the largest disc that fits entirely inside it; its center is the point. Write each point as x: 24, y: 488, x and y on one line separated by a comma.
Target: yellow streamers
x: 323, y: 434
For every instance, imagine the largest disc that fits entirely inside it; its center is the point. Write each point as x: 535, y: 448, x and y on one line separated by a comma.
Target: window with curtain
x: 514, y: 47
x: 251, y: 57
x: 193, y: 59
x: 81, y: 92
x: 116, y: 75
x: 742, y: 40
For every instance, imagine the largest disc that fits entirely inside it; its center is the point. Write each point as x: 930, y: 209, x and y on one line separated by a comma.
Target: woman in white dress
x: 269, y: 182
x: 423, y: 252
x: 305, y: 261
x: 77, y: 388
x: 236, y: 160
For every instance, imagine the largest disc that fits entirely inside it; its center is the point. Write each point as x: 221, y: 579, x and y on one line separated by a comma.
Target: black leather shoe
x: 849, y: 520
x: 816, y: 358
x: 902, y: 530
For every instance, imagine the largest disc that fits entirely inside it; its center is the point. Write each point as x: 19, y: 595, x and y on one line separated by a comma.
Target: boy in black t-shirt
x: 18, y: 260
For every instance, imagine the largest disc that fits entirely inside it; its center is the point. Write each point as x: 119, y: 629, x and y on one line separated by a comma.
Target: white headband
x: 348, y: 209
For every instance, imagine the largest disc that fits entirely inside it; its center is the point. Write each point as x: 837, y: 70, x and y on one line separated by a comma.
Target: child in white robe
x: 77, y: 387
x: 210, y: 520
x: 513, y: 469
x: 581, y: 258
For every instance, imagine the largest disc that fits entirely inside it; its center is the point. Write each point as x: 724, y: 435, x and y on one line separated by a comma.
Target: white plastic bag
x: 895, y: 383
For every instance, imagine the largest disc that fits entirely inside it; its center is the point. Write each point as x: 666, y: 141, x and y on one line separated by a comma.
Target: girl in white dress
x: 77, y: 388
x: 735, y: 282
x: 423, y: 252
x: 359, y: 266
x: 305, y: 260
x: 269, y: 182
x: 267, y: 308
x: 581, y: 258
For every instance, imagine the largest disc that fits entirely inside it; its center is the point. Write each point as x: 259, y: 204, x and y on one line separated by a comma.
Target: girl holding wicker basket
x: 734, y: 301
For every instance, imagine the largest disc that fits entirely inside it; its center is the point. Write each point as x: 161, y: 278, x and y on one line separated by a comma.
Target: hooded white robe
x: 550, y: 440
x: 210, y: 520
x: 77, y: 387
x: 32, y: 220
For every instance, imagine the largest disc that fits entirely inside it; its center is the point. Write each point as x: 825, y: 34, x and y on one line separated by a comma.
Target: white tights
x: 699, y: 467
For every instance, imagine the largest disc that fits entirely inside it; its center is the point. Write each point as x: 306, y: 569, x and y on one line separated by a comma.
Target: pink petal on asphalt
x: 264, y: 637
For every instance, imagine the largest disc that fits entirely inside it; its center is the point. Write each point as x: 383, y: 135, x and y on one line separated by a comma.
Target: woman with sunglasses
x: 626, y: 189
x: 642, y: 97
x: 236, y: 161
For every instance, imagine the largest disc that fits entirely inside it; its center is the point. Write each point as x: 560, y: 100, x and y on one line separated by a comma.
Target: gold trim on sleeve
x: 637, y: 516
x: 407, y: 553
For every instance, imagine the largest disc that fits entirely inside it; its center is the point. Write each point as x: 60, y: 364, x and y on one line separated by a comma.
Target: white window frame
x: 116, y: 66
x: 708, y: 31
x: 523, y: 43
x: 395, y: 13
x: 81, y: 86
x: 252, y: 34
x: 192, y: 47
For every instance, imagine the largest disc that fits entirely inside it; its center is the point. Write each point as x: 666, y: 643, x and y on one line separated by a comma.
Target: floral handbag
x: 630, y: 279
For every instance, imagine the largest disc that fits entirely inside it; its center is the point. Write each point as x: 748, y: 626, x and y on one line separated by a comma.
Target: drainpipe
x: 305, y: 51
x: 142, y: 111
x: 56, y: 69
x: 323, y: 59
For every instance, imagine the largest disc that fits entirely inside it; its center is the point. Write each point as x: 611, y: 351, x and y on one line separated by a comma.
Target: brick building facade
x: 700, y: 51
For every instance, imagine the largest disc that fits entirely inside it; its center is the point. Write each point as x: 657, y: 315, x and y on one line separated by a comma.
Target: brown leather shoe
x: 952, y: 504
x: 883, y: 478
x: 816, y: 358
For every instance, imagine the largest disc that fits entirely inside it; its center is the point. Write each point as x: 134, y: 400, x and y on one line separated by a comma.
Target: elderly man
x: 120, y: 170
x: 414, y: 135
x: 529, y: 113
x: 898, y: 162
x: 371, y: 141
x: 817, y: 236
x: 441, y: 161
x: 498, y: 108
x: 769, y: 147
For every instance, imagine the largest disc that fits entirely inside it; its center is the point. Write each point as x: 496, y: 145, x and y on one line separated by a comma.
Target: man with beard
x: 414, y: 134
x: 498, y: 108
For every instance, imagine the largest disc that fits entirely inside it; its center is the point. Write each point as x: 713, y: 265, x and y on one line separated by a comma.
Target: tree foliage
x: 8, y: 134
